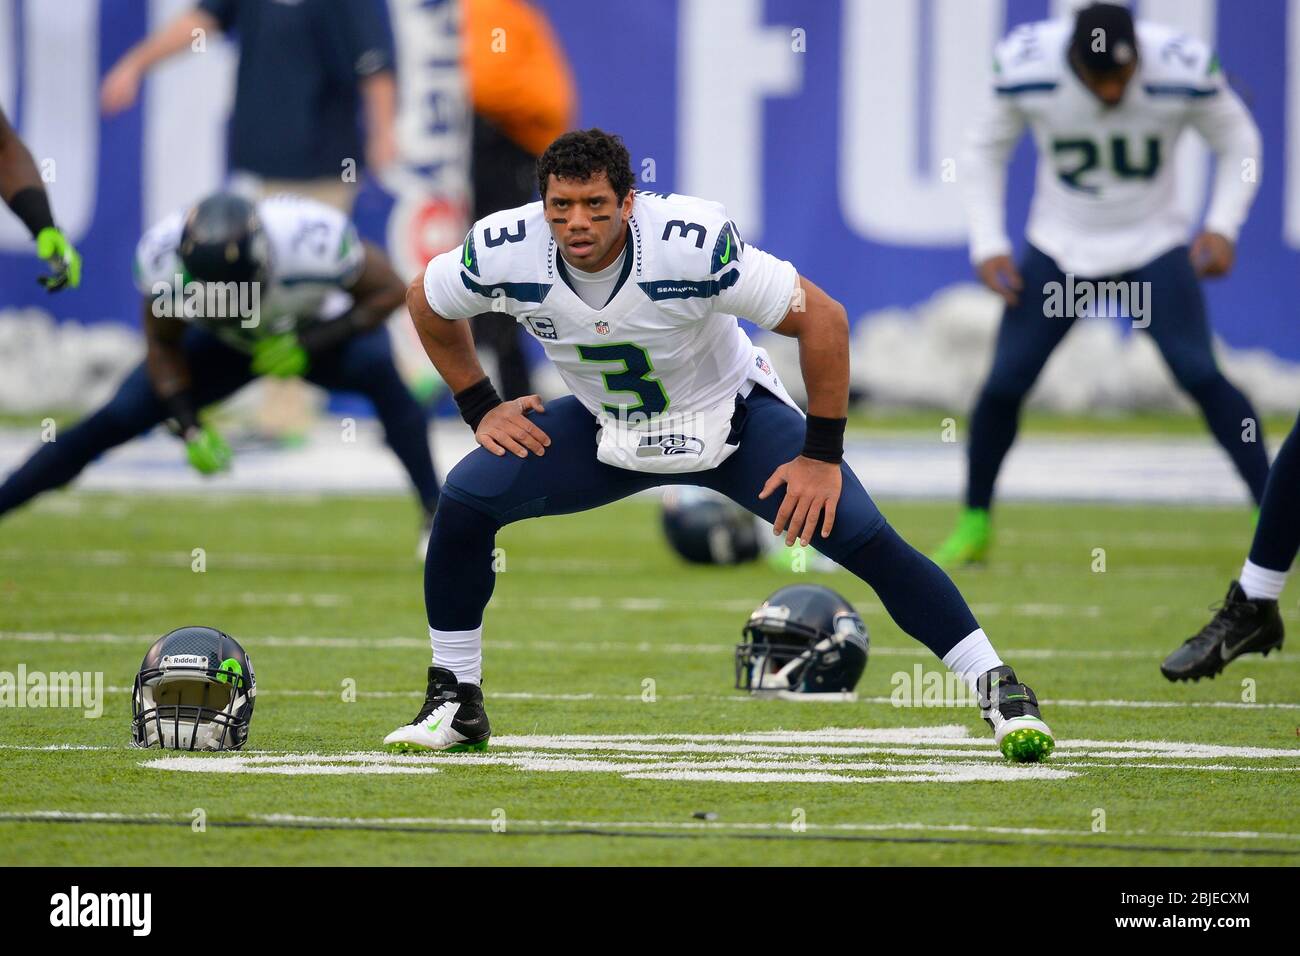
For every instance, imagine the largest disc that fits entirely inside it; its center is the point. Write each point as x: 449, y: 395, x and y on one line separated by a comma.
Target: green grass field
x: 619, y: 739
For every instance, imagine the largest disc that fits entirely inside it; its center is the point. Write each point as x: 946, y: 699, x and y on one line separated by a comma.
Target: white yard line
x: 944, y: 753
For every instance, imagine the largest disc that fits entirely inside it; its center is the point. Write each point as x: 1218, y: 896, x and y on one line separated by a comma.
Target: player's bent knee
x: 492, y: 485
x: 457, y: 524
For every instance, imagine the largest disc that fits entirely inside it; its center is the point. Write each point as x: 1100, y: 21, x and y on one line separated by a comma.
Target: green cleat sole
x: 1027, y: 746
x: 474, y: 748
x: 405, y: 748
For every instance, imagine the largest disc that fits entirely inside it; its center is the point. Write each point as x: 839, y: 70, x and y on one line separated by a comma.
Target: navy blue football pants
x: 485, y: 491
x: 1277, y: 536
x: 1179, y: 326
x: 362, y: 364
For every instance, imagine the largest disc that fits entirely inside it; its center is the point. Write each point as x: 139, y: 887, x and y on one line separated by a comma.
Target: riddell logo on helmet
x: 77, y: 909
x: 184, y: 660
x: 208, y: 300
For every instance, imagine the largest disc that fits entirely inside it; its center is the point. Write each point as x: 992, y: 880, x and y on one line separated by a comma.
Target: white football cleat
x: 452, y: 719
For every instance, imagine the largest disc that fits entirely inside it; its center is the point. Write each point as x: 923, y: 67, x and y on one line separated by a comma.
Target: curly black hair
x: 581, y: 154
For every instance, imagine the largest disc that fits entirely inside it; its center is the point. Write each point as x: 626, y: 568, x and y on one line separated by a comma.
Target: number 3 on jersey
x: 630, y: 378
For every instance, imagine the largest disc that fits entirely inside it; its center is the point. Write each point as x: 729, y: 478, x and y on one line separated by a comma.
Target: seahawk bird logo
x: 655, y: 446
x: 602, y: 327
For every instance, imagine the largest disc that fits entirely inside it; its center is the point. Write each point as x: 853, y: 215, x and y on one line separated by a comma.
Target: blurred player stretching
x: 1107, y: 103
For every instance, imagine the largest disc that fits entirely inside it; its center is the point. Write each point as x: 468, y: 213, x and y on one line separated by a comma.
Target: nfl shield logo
x: 766, y: 369
x: 602, y: 327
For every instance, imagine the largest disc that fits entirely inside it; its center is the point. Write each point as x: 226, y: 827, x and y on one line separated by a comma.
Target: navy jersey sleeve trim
x: 1016, y: 89
x: 680, y: 289
x: 519, y: 291
x: 1173, y: 89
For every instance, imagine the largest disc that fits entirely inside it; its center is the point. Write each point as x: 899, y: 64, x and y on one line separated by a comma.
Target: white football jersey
x: 667, y: 340
x: 315, y: 253
x: 1105, y: 199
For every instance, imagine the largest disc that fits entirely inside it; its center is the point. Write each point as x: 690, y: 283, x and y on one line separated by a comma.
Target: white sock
x: 1260, y: 582
x: 460, y: 652
x: 972, y: 656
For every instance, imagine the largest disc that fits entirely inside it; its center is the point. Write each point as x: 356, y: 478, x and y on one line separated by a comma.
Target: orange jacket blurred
x: 519, y: 78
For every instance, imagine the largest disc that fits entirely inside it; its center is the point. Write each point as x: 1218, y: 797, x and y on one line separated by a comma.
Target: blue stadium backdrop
x: 823, y: 124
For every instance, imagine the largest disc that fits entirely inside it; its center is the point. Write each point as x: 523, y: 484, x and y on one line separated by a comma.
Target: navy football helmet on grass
x: 804, y: 639
x: 195, y: 691
x: 705, y: 527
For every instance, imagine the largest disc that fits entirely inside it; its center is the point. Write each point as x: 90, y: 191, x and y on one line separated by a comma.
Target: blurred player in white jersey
x: 1107, y: 101
x: 233, y: 290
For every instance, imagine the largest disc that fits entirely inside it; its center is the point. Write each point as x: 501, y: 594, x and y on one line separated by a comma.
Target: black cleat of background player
x: 1240, y: 626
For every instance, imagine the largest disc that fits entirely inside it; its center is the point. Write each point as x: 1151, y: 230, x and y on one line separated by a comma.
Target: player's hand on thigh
x: 812, y: 491
x: 1212, y: 254
x: 507, y: 428
x: 1000, y: 274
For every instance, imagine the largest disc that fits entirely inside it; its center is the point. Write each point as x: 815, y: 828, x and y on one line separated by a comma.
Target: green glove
x: 207, y: 451
x: 279, y: 355
x: 64, y: 260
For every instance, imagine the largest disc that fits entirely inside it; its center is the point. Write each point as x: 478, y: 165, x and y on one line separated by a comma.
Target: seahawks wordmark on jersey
x: 1105, y: 200
x: 661, y: 363
x: 314, y: 254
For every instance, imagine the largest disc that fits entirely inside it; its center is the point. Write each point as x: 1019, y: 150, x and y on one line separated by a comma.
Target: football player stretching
x: 233, y: 290
x: 1107, y: 102
x: 634, y: 297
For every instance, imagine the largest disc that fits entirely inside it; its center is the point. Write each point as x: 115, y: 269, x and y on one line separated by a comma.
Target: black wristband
x: 824, y: 439
x: 32, y: 206
x: 184, y: 415
x: 476, y: 401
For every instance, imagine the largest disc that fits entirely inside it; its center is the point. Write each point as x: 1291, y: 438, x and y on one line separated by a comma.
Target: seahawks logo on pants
x: 654, y: 446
